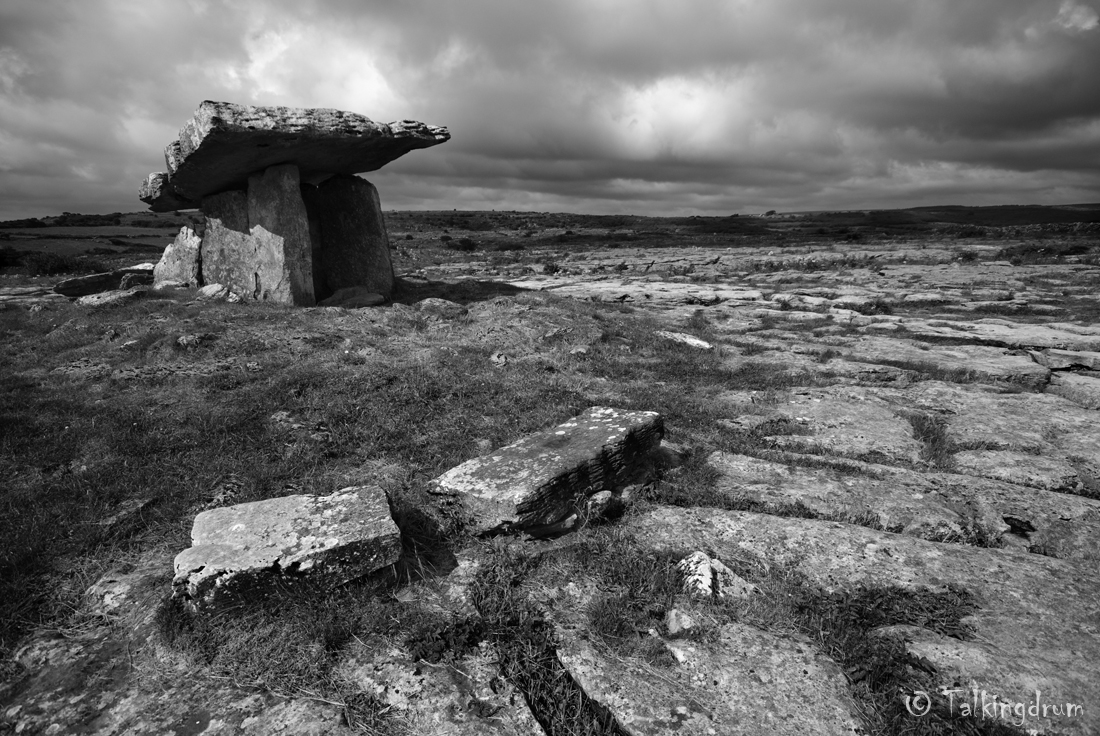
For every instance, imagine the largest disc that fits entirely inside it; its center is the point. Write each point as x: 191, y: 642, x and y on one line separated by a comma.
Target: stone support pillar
x: 355, y: 250
x: 257, y: 243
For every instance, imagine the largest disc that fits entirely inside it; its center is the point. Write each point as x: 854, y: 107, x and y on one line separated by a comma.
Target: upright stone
x: 311, y: 198
x: 227, y: 247
x: 180, y: 262
x: 283, y: 269
x: 355, y: 250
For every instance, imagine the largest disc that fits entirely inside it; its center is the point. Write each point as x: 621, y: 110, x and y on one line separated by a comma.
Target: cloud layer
x: 654, y: 107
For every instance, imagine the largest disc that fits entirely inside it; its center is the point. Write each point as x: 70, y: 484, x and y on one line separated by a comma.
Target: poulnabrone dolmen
x: 286, y: 220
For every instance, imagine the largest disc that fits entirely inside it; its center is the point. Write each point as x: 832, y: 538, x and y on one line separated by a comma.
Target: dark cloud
x: 600, y: 105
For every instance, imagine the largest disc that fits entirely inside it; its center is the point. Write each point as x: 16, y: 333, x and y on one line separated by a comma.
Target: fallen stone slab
x: 238, y: 551
x: 224, y: 143
x: 1036, y: 623
x: 111, y: 298
x: 91, y: 284
x: 548, y: 477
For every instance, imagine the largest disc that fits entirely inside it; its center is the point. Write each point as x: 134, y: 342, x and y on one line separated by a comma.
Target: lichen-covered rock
x: 239, y: 550
x: 706, y: 578
x: 180, y: 262
x: 548, y: 476
x: 223, y: 144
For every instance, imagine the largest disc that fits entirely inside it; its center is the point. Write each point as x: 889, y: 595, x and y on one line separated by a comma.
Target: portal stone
x: 227, y: 247
x: 257, y: 242
x: 355, y: 249
x: 278, y: 223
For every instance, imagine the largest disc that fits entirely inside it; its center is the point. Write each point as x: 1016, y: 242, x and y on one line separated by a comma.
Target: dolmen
x: 286, y: 219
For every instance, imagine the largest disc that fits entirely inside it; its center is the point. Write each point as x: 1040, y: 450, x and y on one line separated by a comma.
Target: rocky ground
x: 894, y: 428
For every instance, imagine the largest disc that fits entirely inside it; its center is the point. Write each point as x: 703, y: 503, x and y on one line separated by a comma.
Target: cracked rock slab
x: 1037, y: 624
x: 935, y: 506
x: 546, y: 477
x: 238, y: 550
x: 744, y: 681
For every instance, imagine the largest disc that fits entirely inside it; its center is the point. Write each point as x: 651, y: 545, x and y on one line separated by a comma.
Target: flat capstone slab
x: 223, y: 143
x: 547, y: 476
x: 240, y: 550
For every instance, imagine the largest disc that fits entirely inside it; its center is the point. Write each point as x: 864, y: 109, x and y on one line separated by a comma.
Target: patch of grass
x: 878, y: 305
x: 937, y: 449
x: 52, y: 264
x: 526, y: 645
x: 289, y: 645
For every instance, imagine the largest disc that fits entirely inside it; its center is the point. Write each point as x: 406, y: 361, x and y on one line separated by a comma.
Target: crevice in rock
x: 1019, y: 527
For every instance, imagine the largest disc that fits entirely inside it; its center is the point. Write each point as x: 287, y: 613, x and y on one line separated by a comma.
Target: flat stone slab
x: 1066, y: 359
x: 547, y: 477
x: 1000, y: 332
x: 979, y: 361
x: 1037, y: 623
x: 982, y: 418
x: 224, y: 143
x: 854, y: 422
x: 935, y: 506
x: 333, y: 539
x: 1081, y: 390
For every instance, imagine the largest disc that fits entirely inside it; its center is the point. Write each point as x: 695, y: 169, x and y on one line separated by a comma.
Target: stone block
x: 549, y: 476
x: 180, y: 262
x: 240, y: 551
x: 355, y: 250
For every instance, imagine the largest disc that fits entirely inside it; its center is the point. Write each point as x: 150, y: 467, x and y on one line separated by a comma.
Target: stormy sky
x: 598, y: 106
